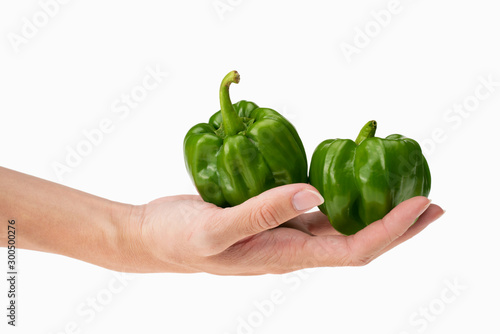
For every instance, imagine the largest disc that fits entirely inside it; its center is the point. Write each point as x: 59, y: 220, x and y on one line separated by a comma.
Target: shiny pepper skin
x: 242, y: 151
x: 362, y: 180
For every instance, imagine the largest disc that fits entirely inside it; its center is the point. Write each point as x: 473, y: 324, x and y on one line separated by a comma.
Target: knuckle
x: 265, y: 217
x: 353, y: 256
x: 361, y: 261
x: 390, y: 234
x: 319, y: 254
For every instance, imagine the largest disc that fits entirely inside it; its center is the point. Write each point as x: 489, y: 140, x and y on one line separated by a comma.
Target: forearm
x: 53, y: 218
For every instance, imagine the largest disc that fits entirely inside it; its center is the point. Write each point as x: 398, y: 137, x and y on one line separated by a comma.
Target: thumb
x: 265, y: 211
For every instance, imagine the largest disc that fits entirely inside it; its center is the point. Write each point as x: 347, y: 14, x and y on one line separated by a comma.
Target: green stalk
x: 368, y: 131
x: 230, y: 120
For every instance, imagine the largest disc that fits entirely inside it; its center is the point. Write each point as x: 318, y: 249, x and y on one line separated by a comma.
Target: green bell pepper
x: 242, y: 151
x: 362, y: 180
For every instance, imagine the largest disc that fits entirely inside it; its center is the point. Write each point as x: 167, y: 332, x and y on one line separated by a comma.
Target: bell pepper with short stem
x: 242, y: 151
x: 362, y: 180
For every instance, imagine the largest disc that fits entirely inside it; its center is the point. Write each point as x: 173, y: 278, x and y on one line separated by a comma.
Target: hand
x: 267, y: 234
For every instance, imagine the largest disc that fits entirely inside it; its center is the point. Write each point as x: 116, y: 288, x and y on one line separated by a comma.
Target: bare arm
x: 52, y: 218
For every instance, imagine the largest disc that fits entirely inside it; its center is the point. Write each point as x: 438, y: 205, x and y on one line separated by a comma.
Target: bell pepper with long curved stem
x: 242, y: 151
x: 362, y: 180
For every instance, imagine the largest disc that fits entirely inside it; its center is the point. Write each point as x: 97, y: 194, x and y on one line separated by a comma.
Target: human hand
x: 267, y: 234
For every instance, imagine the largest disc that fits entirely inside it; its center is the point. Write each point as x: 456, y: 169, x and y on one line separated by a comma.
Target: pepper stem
x: 368, y: 131
x: 230, y: 120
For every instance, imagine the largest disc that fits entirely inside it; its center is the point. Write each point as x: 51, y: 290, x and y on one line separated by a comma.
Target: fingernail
x: 426, y: 207
x: 306, y: 199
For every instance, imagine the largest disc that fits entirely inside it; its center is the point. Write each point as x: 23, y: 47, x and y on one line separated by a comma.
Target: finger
x: 366, y: 244
x: 260, y: 213
x: 312, y: 223
x: 335, y: 250
x: 318, y: 224
x: 285, y: 250
x: 296, y: 225
x: 430, y: 215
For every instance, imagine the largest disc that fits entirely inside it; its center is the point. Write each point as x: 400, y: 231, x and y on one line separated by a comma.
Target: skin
x: 269, y: 233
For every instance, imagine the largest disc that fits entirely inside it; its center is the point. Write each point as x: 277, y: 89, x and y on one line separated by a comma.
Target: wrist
x: 129, y: 247
x: 141, y: 248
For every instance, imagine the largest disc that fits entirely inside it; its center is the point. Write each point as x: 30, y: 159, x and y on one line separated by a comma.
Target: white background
x: 65, y: 77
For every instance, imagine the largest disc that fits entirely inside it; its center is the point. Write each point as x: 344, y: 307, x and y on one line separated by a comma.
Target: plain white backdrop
x: 426, y: 69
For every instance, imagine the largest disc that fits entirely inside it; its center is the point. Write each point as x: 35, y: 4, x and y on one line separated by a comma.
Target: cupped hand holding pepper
x: 269, y: 233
